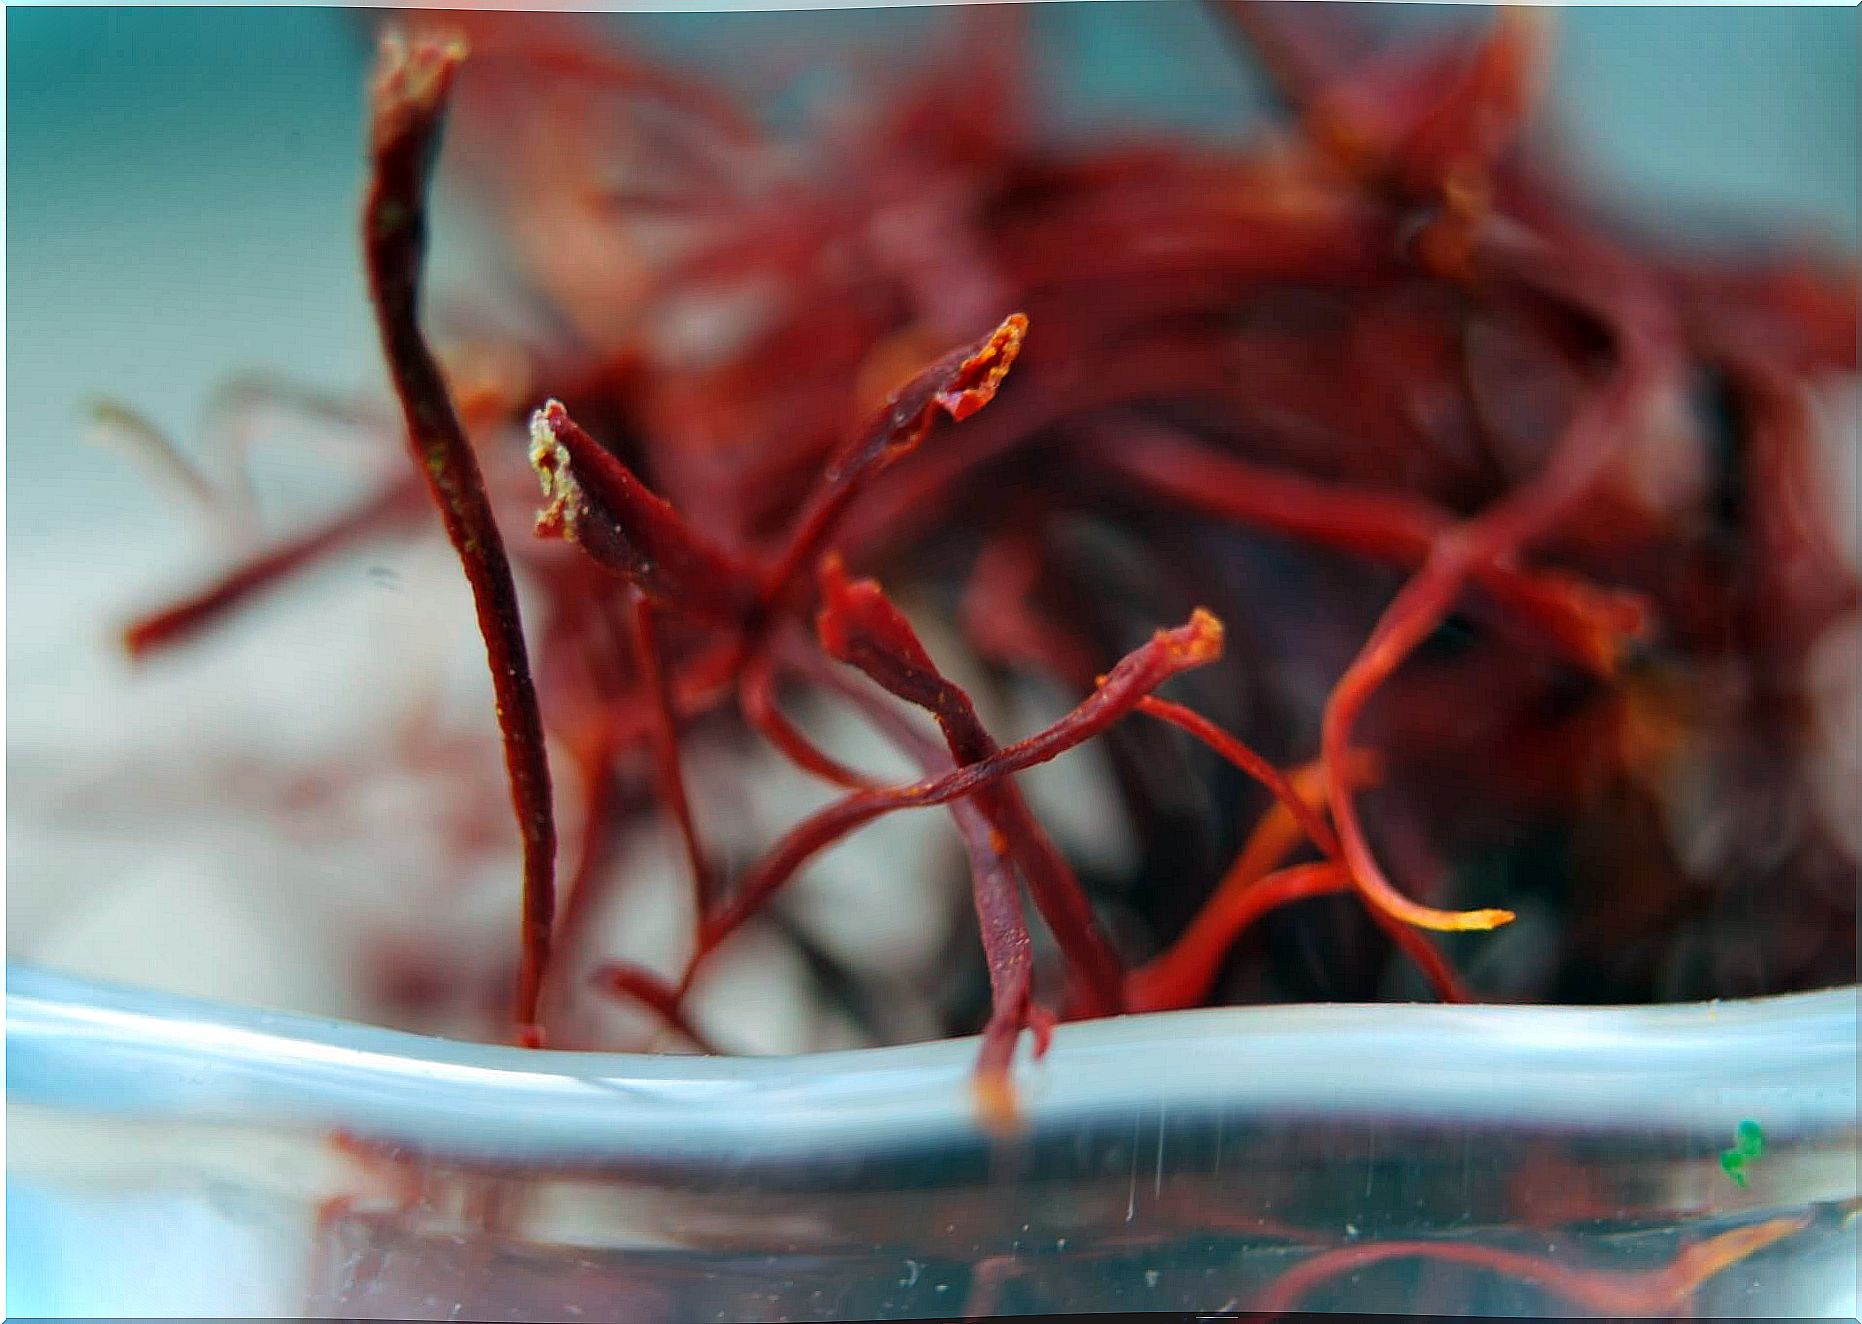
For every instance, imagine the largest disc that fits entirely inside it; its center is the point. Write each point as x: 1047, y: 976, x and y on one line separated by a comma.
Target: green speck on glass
x: 1749, y: 1139
x: 1734, y: 1164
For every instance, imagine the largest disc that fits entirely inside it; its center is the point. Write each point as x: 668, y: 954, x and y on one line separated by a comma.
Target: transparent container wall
x: 170, y: 1157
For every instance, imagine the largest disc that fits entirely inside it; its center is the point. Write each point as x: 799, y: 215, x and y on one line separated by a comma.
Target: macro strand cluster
x: 1384, y: 336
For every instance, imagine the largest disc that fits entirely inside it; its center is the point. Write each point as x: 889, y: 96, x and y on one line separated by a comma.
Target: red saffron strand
x: 1287, y: 796
x: 1277, y: 834
x: 1410, y: 617
x: 757, y: 697
x: 1237, y: 753
x: 959, y: 384
x: 1182, y: 975
x: 1009, y: 960
x: 1167, y: 654
x: 1345, y: 337
x: 1002, y: 928
x: 1463, y: 129
x: 600, y: 785
x: 595, y: 501
x: 1587, y: 624
x: 1020, y: 636
x: 408, y: 104
x: 858, y: 625
x: 394, y: 505
x: 668, y: 765
x: 657, y: 996
x: 1645, y: 1292
x: 1001, y: 925
x: 1425, y: 956
x: 1495, y: 534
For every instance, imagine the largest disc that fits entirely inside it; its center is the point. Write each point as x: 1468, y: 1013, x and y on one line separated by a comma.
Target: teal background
x: 182, y: 187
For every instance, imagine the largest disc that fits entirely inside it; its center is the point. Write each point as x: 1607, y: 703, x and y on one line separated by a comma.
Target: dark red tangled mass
x: 1474, y: 526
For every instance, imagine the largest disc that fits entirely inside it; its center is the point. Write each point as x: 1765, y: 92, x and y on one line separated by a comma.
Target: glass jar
x: 182, y: 1158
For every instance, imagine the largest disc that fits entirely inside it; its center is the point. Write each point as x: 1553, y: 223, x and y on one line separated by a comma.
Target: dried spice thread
x: 1168, y: 653
x: 408, y: 105
x: 1590, y: 625
x: 1238, y: 754
x: 958, y: 385
x: 1434, y: 966
x: 657, y: 996
x: 395, y: 506
x: 669, y: 766
x: 1346, y: 337
x: 757, y: 698
x: 1002, y: 927
x: 858, y: 625
x: 1655, y: 1290
x: 1422, y: 604
x: 1181, y: 975
x: 596, y: 501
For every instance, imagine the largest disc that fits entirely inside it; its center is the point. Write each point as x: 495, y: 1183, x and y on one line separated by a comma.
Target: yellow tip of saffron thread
x: 996, y: 1105
x: 1462, y: 921
x: 992, y: 360
x: 550, y: 459
x: 1198, y: 640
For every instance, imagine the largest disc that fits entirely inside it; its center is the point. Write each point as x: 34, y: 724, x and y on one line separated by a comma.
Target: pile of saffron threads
x: 1425, y: 548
